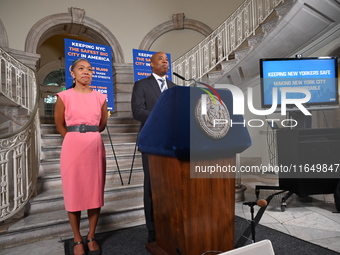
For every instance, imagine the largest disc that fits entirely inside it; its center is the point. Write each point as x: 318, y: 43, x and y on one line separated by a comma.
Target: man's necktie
x: 163, y: 87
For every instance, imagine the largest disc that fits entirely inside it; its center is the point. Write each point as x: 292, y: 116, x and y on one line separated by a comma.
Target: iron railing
x: 222, y: 42
x: 20, y: 139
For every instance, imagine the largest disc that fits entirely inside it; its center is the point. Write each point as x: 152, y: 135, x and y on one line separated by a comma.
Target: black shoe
x: 95, y: 252
x: 81, y: 242
x: 151, y: 236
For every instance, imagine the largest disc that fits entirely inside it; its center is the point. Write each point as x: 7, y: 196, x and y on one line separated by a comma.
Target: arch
x: 3, y: 36
x: 75, y: 22
x: 178, y: 22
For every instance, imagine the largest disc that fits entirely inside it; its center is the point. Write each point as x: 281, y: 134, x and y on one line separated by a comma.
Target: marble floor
x: 311, y: 219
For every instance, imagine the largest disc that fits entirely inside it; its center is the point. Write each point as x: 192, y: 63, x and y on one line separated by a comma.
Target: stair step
x: 52, y: 165
x: 113, y: 128
x: 121, y: 120
x: 49, y: 151
x: 110, y: 121
x: 53, y: 180
x: 228, y: 65
x: 109, y: 157
x: 240, y: 53
x: 284, y: 8
x: 42, y: 226
x: 255, y: 39
x: 56, y: 139
x: 269, y: 25
x: 52, y: 199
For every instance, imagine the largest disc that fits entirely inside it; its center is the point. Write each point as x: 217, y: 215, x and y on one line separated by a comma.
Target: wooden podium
x: 193, y: 213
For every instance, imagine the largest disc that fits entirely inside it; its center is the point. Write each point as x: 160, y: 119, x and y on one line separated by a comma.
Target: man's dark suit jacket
x: 144, y: 97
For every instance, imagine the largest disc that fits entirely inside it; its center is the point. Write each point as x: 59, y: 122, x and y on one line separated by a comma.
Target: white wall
x: 129, y: 20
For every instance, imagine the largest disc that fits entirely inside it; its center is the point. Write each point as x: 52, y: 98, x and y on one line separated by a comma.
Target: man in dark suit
x: 144, y: 97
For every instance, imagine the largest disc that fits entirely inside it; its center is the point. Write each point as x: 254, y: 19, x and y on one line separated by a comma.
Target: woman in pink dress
x: 80, y: 115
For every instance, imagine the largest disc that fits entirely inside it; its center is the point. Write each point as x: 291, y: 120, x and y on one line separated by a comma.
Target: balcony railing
x: 20, y: 140
x: 222, y: 42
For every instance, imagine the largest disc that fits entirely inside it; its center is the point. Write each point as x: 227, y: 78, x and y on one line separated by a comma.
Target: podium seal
x: 212, y: 116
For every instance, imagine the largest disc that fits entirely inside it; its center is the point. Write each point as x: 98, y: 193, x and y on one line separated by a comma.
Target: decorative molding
x: 77, y: 23
x: 76, y: 27
x: 77, y: 15
x: 3, y: 36
x: 178, y: 22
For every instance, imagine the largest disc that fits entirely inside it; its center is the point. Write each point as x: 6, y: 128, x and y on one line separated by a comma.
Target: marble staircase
x: 12, y: 116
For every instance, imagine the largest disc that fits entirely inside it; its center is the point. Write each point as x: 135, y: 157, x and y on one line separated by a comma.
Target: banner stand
x: 114, y: 154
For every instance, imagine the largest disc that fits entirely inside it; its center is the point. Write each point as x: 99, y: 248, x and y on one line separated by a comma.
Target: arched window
x: 54, y: 78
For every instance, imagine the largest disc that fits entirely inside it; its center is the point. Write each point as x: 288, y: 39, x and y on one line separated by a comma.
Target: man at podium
x: 144, y: 97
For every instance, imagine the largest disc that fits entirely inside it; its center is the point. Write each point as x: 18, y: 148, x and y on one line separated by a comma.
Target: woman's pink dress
x: 83, y: 157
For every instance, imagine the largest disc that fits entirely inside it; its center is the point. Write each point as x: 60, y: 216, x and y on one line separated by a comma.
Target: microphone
x: 260, y: 203
x: 180, y: 76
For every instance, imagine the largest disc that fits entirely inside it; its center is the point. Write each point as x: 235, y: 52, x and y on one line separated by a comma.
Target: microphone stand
x: 252, y: 223
x: 251, y: 205
x: 244, y: 237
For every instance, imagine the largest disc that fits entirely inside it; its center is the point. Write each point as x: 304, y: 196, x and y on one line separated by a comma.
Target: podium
x: 192, y: 173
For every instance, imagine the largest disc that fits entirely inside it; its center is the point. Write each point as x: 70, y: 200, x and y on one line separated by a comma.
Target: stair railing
x: 223, y: 41
x: 19, y: 148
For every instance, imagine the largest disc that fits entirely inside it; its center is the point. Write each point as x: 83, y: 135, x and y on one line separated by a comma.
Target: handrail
x: 224, y: 40
x: 18, y: 86
x: 19, y: 147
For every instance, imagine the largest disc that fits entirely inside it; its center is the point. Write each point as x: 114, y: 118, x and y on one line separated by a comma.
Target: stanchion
x: 133, y: 160
x: 114, y: 154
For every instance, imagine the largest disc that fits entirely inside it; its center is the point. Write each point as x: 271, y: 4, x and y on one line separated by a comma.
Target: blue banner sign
x: 100, y: 57
x: 141, y: 64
